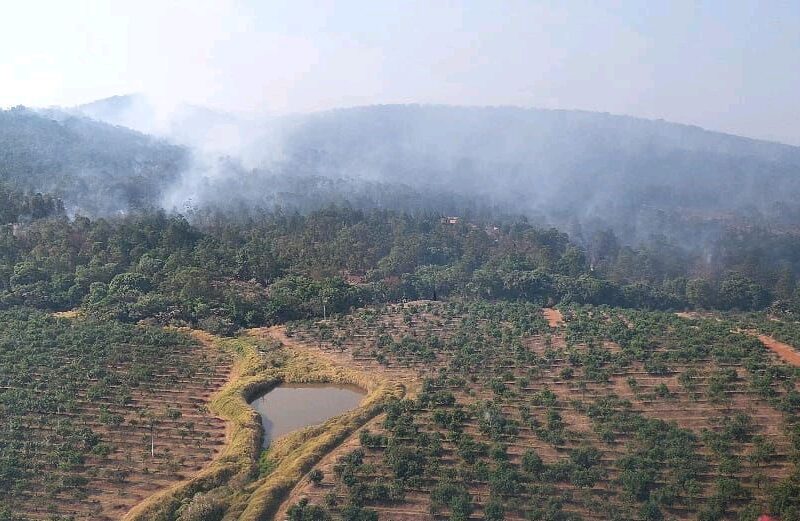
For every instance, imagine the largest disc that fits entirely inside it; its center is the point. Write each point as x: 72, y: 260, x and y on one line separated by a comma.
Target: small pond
x: 289, y: 407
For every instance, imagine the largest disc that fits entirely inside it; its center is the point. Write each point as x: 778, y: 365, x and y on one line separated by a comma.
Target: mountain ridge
x: 563, y: 168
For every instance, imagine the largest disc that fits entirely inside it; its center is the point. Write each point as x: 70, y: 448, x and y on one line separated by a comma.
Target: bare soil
x: 553, y: 316
x: 787, y: 353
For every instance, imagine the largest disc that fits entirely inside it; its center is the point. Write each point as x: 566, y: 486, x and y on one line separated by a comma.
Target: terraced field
x: 609, y: 415
x: 476, y: 411
x: 96, y: 416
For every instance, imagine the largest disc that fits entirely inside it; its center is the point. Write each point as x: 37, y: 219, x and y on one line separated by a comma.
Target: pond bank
x: 263, y: 362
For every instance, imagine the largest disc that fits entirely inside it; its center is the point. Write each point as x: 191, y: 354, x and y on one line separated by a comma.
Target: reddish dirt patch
x: 553, y: 316
x: 787, y: 353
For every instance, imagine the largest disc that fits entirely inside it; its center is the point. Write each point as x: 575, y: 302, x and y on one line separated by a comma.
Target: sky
x: 727, y: 65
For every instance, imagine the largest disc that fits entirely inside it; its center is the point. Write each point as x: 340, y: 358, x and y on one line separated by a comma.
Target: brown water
x: 289, y: 407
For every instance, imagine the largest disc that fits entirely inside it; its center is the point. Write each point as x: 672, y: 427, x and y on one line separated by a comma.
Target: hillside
x: 564, y: 166
x: 610, y: 414
x: 581, y: 170
x: 94, y: 167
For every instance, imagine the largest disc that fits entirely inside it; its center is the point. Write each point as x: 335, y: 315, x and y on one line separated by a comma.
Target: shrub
x: 316, y: 476
x: 203, y: 507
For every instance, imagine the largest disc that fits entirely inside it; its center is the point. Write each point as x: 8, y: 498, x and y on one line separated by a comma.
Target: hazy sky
x: 726, y: 65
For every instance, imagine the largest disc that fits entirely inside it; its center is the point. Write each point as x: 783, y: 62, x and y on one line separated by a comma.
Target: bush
x: 203, y: 507
x: 217, y: 325
x: 316, y: 476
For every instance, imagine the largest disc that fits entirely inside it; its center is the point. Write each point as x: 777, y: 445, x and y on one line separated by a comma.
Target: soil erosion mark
x: 785, y: 351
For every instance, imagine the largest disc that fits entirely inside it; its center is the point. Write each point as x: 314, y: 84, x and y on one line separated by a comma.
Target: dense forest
x: 82, y: 226
x: 579, y: 171
x: 95, y: 168
x: 226, y: 271
x: 707, y: 219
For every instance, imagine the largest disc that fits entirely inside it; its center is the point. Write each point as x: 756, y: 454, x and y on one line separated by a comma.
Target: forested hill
x: 411, y: 167
x: 563, y: 165
x: 560, y: 167
x: 94, y: 167
x: 582, y: 172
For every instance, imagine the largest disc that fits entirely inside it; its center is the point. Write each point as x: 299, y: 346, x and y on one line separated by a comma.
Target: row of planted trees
x: 83, y: 402
x: 506, y: 394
